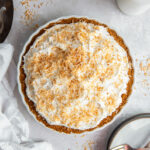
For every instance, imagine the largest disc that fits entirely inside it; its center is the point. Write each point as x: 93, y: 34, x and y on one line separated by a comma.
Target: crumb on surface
x: 31, y: 11
x: 83, y: 135
x: 145, y: 67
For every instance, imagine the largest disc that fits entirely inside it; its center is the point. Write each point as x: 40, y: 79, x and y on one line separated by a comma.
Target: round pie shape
x: 87, y: 56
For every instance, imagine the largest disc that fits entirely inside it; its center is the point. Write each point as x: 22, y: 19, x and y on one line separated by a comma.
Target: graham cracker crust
x: 31, y: 104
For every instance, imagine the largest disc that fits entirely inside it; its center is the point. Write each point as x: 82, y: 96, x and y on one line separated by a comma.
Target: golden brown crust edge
x: 31, y: 104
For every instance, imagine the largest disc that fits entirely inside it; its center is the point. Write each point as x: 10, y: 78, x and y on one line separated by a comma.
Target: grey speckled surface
x: 134, y: 29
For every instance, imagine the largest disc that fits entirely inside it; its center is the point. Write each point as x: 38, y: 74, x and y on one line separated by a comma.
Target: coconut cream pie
x: 75, y: 75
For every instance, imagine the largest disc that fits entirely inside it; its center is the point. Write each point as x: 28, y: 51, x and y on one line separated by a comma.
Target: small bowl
x: 134, y: 131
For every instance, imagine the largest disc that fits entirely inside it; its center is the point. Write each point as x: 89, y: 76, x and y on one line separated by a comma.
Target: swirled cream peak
x: 76, y: 74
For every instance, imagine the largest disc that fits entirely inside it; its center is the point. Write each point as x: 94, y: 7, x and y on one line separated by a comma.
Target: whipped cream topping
x: 76, y: 74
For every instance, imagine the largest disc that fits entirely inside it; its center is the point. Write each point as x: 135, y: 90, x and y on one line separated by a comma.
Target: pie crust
x: 31, y: 104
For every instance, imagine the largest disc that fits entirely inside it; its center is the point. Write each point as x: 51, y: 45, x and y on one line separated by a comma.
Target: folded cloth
x: 14, y: 130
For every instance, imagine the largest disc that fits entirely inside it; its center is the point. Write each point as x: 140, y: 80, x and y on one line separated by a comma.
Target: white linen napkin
x: 14, y: 130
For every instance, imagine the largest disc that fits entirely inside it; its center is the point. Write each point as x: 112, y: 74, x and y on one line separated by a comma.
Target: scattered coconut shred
x: 30, y: 13
x: 88, y: 145
x: 144, y: 67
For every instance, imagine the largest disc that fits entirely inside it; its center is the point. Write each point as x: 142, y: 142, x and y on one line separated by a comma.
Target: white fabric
x: 14, y: 130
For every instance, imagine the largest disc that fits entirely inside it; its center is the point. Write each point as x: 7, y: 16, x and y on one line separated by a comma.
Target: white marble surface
x: 134, y: 29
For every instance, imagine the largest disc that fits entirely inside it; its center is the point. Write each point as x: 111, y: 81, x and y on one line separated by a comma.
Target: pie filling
x: 76, y: 74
